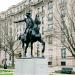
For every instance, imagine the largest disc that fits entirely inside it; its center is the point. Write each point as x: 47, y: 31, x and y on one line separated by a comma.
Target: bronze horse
x: 32, y: 37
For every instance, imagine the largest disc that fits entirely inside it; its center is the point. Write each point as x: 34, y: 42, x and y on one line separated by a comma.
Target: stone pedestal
x: 31, y: 66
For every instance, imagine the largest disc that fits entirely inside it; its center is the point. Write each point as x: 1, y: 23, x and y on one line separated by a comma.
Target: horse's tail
x: 19, y: 37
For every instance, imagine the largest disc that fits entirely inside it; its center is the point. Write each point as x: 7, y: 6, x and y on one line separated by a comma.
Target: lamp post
x: 5, y: 64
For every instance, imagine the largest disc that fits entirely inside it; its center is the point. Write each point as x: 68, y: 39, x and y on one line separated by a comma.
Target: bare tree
x: 8, y: 39
x: 65, y: 24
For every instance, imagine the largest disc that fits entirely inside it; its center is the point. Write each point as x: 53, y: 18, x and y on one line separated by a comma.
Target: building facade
x: 56, y: 53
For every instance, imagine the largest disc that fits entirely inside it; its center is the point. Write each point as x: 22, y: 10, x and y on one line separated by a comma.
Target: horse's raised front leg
x: 23, y: 49
x: 26, y: 48
x: 43, y: 43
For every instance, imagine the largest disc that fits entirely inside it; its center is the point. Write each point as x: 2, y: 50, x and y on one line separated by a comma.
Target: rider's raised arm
x: 20, y: 21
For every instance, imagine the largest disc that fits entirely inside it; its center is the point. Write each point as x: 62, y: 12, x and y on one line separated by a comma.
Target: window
x: 9, y: 57
x: 50, y: 54
x: 24, y: 5
x: 38, y: 10
x: 42, y: 30
x: 50, y: 63
x: 20, y: 7
x: 42, y: 8
x: 49, y: 39
x: 38, y: 0
x: 29, y: 0
x: 62, y: 37
x: 42, y: 21
x: 61, y: 1
x: 11, y: 30
x: 10, y: 11
x: 50, y: 17
x: 17, y: 9
x: 10, y: 22
x: 20, y: 29
x: 63, y: 63
x: 50, y: 5
x: 17, y: 30
x: 50, y: 27
x: 50, y: 22
x: 63, y: 53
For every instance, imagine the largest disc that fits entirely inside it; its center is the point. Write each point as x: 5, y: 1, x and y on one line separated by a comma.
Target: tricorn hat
x: 28, y: 13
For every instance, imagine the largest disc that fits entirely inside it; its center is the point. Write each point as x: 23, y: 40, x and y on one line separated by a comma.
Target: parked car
x: 67, y: 70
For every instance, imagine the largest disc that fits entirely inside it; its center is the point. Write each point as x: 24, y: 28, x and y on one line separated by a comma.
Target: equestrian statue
x: 31, y: 33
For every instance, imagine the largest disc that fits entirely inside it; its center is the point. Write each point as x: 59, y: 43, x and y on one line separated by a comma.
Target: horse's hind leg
x: 31, y: 49
x: 26, y: 48
x: 43, y: 43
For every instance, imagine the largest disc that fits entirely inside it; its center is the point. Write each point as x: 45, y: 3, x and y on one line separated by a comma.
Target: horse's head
x: 37, y: 21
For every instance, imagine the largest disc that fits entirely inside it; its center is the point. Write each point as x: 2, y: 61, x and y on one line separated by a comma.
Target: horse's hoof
x: 25, y: 55
x: 32, y: 56
x: 43, y: 56
x: 38, y: 56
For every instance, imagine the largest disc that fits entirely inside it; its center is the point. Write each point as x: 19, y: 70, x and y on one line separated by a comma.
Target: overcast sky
x: 4, y: 4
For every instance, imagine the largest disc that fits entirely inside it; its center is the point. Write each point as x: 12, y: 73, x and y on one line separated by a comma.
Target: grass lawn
x: 9, y: 67
x: 5, y: 71
x: 6, y: 74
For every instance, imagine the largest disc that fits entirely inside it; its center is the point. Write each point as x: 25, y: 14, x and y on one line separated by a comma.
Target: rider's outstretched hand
x: 15, y: 22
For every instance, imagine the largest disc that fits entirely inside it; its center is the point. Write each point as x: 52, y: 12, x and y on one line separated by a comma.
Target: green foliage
x: 1, y: 66
x: 50, y: 74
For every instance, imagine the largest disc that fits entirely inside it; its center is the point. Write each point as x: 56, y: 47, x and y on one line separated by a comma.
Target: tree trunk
x: 12, y: 58
x: 72, y: 54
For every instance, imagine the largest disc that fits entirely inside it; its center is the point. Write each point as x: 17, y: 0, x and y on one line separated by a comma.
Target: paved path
x: 60, y: 74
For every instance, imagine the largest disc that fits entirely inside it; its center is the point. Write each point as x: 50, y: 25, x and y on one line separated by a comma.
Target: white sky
x: 4, y: 4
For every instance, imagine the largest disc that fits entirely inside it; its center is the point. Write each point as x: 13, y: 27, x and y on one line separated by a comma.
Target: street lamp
x: 5, y: 65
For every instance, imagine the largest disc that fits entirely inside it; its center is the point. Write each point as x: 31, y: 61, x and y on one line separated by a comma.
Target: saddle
x: 35, y: 32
